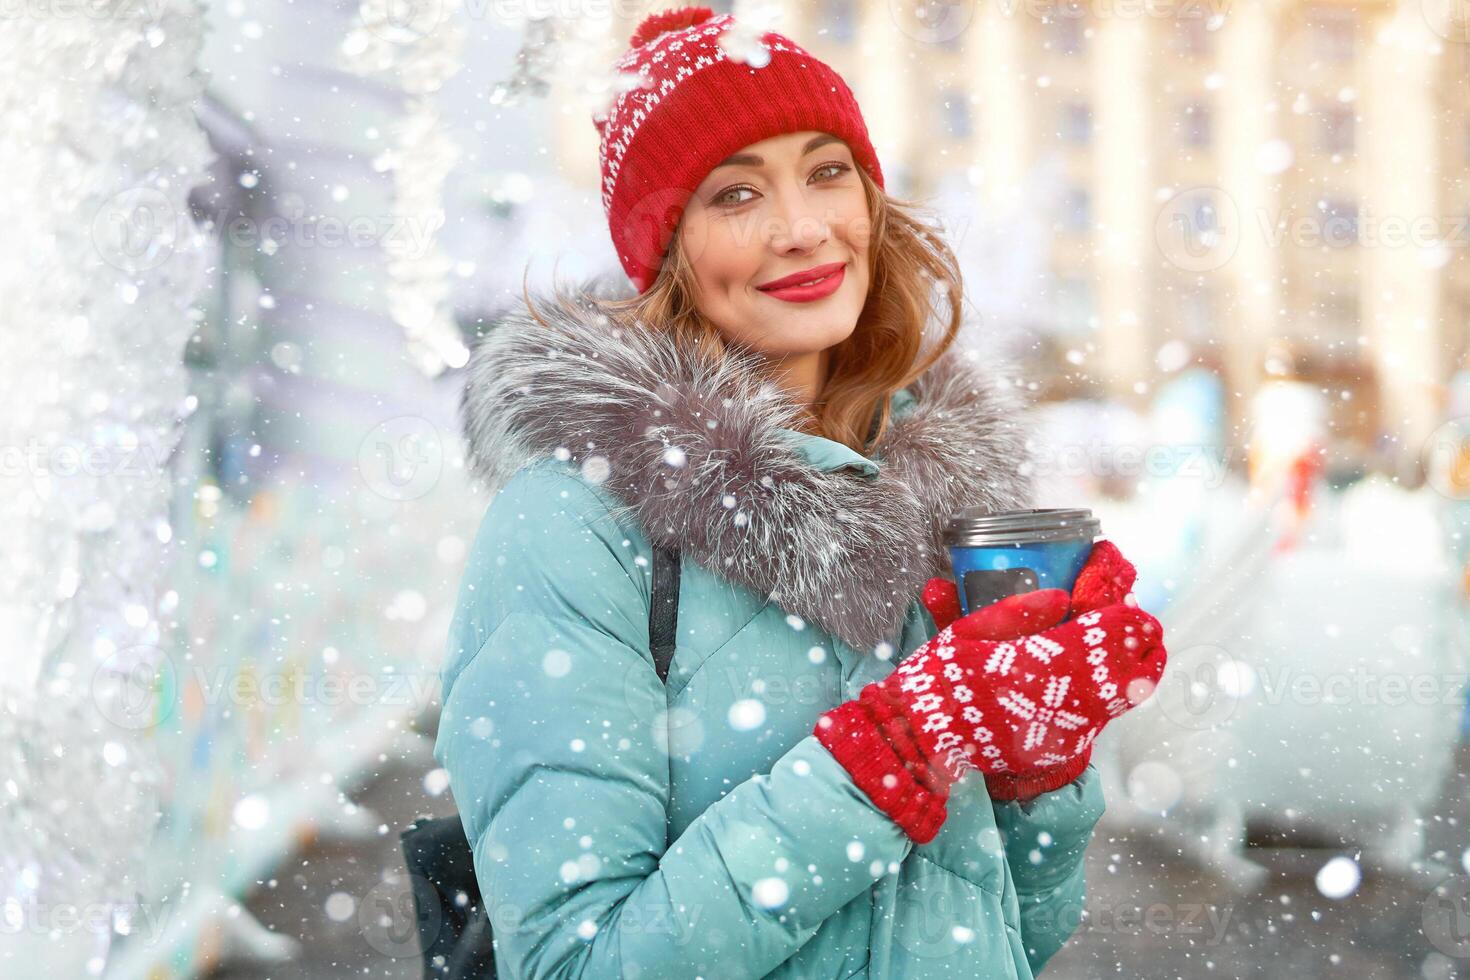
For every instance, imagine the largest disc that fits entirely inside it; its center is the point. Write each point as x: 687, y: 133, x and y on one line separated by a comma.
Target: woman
x: 789, y: 805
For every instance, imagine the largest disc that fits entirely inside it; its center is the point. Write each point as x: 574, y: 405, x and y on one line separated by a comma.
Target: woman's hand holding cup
x: 1014, y: 689
x: 1081, y: 659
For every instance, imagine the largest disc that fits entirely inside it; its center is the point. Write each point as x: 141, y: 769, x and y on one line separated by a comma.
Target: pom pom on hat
x: 668, y: 20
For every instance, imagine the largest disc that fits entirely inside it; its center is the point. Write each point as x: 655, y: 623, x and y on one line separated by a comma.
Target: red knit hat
x: 701, y: 95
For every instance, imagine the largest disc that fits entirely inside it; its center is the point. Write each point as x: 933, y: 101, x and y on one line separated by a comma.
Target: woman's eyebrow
x: 753, y: 160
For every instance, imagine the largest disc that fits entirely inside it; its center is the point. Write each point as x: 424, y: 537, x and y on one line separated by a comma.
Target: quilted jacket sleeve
x: 550, y: 733
x: 1045, y: 839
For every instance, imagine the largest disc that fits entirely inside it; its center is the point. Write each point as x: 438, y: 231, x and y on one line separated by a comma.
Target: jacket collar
x: 701, y: 453
x: 830, y: 456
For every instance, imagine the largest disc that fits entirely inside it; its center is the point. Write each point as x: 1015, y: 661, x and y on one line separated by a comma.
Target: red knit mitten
x: 1106, y: 578
x: 1023, y: 710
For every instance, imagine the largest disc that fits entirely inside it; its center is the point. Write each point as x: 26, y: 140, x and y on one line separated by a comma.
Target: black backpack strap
x: 442, y: 865
x: 663, y: 610
x: 473, y: 957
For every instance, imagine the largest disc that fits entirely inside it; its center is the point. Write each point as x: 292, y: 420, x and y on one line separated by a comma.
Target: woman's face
x: 784, y: 206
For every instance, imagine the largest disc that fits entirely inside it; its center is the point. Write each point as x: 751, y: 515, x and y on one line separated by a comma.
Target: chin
x: 819, y: 330
x: 803, y: 341
x: 804, y: 329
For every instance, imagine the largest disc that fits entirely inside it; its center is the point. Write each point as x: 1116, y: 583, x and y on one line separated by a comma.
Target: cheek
x: 722, y: 259
x: 853, y: 223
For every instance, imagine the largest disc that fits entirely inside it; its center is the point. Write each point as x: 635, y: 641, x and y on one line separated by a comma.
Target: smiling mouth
x: 812, y: 277
x: 811, y: 289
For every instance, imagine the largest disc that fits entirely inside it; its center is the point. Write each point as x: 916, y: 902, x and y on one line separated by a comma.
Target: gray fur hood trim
x: 689, y: 449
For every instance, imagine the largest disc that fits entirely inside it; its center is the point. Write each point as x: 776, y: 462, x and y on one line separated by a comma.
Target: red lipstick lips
x: 807, y: 285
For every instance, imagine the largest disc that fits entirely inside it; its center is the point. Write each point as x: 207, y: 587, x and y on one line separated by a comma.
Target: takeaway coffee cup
x: 996, y: 555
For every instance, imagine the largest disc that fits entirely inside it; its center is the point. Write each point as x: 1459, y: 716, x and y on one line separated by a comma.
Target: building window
x: 1459, y: 334
x: 1199, y: 219
x: 1192, y: 225
x: 1076, y: 123
x: 1076, y: 209
x: 1191, y: 33
x: 957, y: 113
x: 1197, y: 314
x: 1065, y: 29
x: 1194, y: 124
x: 1338, y: 129
x: 1339, y: 218
x: 1334, y: 32
x: 837, y: 17
x: 1332, y: 322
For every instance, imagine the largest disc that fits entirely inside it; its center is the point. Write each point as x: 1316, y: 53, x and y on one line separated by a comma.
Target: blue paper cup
x: 1006, y: 553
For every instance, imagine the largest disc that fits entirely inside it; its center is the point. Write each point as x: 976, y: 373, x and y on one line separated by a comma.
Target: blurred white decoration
x: 537, y: 229
x: 1316, y: 691
x: 1186, y: 724
x: 1078, y: 445
x: 416, y: 48
x: 1361, y: 674
x: 1003, y: 250
x: 535, y: 64
x: 101, y: 266
x: 1288, y: 416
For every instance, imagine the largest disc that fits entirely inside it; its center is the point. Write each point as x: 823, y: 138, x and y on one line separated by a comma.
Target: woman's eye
x: 723, y: 197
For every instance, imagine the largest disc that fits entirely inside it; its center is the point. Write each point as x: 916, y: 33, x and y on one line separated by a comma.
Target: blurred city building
x: 1278, y: 186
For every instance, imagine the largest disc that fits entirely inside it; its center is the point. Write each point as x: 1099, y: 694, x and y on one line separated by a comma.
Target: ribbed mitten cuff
x: 1024, y: 786
x: 894, y: 725
x: 851, y: 733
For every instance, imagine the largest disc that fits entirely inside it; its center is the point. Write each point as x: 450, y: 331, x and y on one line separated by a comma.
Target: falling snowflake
x: 742, y: 44
x: 252, y: 812
x: 436, y: 781
x: 596, y: 469
x: 770, y: 893
x: 556, y: 663
x: 746, y: 714
x: 1339, y: 878
x: 340, y: 906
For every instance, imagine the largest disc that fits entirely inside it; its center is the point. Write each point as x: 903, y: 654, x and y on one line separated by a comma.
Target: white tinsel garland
x: 417, y: 47
x: 99, y: 268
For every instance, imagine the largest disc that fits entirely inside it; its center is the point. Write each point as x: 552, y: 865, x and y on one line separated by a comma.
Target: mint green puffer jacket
x: 624, y: 828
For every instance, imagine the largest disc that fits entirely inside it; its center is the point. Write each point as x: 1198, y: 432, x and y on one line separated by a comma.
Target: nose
x: 798, y: 227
